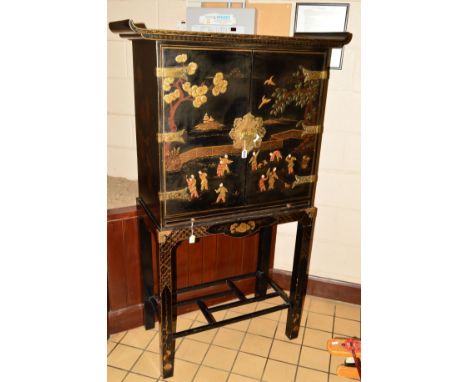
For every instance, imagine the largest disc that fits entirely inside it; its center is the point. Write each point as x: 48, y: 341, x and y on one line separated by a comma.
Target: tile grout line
x: 302, y: 343
x: 269, y: 351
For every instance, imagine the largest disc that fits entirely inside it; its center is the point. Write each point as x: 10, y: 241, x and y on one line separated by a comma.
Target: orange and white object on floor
x: 347, y: 347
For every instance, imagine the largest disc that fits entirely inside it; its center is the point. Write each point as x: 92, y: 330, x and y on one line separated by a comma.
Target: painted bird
x: 264, y: 101
x: 269, y: 81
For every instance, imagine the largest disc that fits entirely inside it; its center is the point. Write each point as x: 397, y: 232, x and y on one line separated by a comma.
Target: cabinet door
x: 202, y: 91
x: 287, y: 90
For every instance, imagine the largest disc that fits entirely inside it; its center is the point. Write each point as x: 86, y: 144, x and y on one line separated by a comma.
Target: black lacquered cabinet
x: 228, y: 139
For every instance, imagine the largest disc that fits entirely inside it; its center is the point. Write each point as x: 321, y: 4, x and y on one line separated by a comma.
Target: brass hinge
x: 311, y: 129
x: 312, y: 212
x: 176, y: 136
x: 172, y: 195
x: 304, y: 179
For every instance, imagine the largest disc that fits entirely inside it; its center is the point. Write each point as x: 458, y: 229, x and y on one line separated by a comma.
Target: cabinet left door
x: 201, y: 92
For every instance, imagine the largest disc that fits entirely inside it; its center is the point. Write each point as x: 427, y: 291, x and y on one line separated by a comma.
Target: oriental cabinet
x: 228, y: 140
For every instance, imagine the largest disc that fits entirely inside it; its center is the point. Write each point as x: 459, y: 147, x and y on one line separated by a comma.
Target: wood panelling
x: 210, y: 258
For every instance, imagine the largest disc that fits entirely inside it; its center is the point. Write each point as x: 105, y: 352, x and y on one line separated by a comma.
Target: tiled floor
x: 249, y: 351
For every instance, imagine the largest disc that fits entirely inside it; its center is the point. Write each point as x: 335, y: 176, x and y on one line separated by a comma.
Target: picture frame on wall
x: 323, y: 17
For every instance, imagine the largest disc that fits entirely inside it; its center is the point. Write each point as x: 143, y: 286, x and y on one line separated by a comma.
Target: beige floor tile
x: 284, y: 351
x: 320, y: 321
x: 314, y: 359
x: 190, y: 350
x: 183, y: 324
x: 115, y: 375
x: 207, y: 374
x: 307, y: 301
x: 351, y: 312
x: 138, y: 378
x: 229, y: 338
x: 281, y: 334
x: 335, y: 362
x: 271, y: 316
x: 334, y: 378
x: 183, y: 371
x: 274, y: 301
x: 240, y: 378
x: 347, y: 327
x: 138, y: 337
x: 123, y: 357
x: 307, y: 375
x: 154, y: 344
x: 219, y: 315
x: 148, y: 365
x: 247, y: 308
x: 262, y: 327
x: 110, y: 346
x: 219, y: 358
x: 316, y: 338
x: 241, y: 325
x: 257, y: 345
x: 279, y: 372
x: 249, y: 365
x: 191, y: 315
x: 322, y: 306
x: 117, y: 336
x: 206, y: 336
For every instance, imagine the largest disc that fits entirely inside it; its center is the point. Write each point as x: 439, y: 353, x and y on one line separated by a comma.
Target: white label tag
x: 244, y: 154
x: 191, y: 239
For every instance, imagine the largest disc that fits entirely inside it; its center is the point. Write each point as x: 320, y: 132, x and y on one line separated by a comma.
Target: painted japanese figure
x: 223, y: 166
x: 203, y: 180
x: 275, y: 156
x: 192, y: 186
x: 272, y: 178
x: 261, y: 183
x: 222, y: 191
x: 253, y: 161
x: 290, y: 160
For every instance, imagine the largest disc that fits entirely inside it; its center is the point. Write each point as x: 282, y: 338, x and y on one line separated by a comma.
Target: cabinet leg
x: 168, y: 310
x: 147, y: 274
x: 298, y: 289
x: 263, y: 260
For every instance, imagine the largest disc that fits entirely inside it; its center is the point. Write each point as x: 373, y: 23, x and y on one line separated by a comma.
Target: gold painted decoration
x: 312, y: 212
x: 311, y: 129
x: 176, y: 136
x: 242, y: 227
x: 222, y: 192
x: 181, y: 194
x: 304, y: 179
x: 247, y: 132
x: 313, y: 75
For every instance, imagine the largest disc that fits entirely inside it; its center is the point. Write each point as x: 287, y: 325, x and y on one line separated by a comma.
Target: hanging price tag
x: 244, y: 154
x: 191, y: 239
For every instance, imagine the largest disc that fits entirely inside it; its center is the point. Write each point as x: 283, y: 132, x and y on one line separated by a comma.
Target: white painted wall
x: 336, y: 250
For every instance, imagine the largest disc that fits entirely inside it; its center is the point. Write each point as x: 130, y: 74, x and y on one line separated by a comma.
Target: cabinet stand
x: 163, y: 304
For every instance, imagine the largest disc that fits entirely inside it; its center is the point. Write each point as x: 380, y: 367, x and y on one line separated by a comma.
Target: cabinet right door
x: 287, y: 93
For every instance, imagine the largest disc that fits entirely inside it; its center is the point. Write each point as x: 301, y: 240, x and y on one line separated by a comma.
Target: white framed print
x: 323, y: 17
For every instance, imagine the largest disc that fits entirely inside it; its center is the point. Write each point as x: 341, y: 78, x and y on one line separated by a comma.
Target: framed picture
x: 323, y: 17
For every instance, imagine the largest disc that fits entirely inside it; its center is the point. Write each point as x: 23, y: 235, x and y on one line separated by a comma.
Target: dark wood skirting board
x: 323, y: 287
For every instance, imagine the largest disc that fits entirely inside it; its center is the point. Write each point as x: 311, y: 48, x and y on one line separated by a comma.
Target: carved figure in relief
x: 261, y: 183
x: 203, y: 180
x: 272, y: 178
x: 223, y: 166
x: 275, y: 156
x: 222, y: 191
x: 290, y: 160
x: 305, y: 162
x: 192, y: 186
x: 253, y: 161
